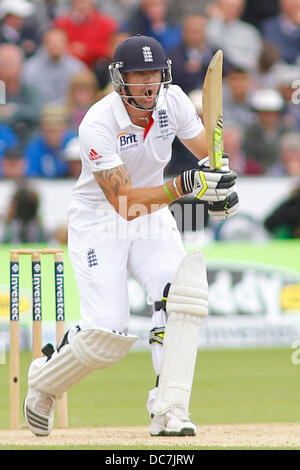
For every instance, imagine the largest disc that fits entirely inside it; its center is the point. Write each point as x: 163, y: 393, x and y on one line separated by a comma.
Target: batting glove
x: 223, y: 210
x: 209, y: 185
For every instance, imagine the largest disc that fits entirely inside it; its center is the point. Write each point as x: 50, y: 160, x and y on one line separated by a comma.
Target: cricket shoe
x: 175, y: 422
x: 39, y: 412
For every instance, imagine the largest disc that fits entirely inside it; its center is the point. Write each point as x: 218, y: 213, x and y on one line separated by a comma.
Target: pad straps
x: 161, y: 304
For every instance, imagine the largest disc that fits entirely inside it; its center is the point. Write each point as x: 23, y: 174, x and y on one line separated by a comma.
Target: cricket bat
x: 212, y: 110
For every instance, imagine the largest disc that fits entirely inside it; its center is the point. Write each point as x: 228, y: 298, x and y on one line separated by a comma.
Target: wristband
x: 176, y: 189
x: 167, y: 191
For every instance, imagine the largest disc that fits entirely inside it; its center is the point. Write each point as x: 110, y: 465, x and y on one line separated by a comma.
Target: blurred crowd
x: 54, y: 57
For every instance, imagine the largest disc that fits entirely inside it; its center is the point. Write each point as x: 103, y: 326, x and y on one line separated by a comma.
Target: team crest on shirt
x: 127, y: 141
x: 163, y: 123
x: 162, y: 118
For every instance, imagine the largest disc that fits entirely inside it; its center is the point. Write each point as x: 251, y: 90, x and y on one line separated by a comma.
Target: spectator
x: 261, y: 141
x: 46, y: 11
x: 59, y: 235
x: 13, y: 164
x: 100, y: 68
x: 284, y: 221
x: 289, y: 165
x: 240, y: 41
x: 269, y: 67
x: 288, y: 83
x: 233, y: 139
x: 22, y: 106
x: 283, y: 30
x: 82, y: 94
x: 192, y: 7
x: 14, y: 29
x: 22, y: 223
x: 8, y: 141
x: 191, y: 58
x: 54, y: 65
x: 152, y: 18
x: 72, y: 157
x: 237, y: 92
x: 257, y: 11
x: 45, y: 152
x: 118, y: 9
x: 88, y: 31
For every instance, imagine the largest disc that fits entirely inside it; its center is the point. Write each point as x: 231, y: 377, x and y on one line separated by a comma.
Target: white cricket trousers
x: 104, y: 248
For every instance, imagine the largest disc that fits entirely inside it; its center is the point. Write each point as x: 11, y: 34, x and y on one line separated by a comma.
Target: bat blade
x: 213, y: 110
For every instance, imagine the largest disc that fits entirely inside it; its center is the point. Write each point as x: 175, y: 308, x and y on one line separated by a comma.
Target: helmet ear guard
x: 167, y: 74
x: 116, y: 76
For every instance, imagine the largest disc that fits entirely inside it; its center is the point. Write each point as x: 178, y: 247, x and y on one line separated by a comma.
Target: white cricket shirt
x: 109, y: 139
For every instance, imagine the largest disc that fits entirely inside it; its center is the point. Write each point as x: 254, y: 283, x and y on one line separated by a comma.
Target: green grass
x: 246, y: 386
x: 230, y: 386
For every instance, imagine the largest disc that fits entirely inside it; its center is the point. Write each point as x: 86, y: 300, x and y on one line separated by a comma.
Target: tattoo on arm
x: 113, y: 181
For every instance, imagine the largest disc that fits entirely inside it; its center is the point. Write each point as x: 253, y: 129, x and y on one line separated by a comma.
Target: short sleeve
x: 189, y: 124
x: 98, y: 147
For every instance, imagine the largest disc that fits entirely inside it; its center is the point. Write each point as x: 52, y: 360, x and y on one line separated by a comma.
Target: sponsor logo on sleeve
x: 93, y: 155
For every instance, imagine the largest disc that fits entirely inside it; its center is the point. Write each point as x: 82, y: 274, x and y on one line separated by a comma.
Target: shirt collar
x: 120, y: 112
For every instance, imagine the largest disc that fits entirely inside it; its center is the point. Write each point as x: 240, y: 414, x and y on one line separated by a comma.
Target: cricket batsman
x: 120, y: 223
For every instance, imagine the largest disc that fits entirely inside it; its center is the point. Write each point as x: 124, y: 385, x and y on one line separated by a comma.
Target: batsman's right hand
x: 209, y: 185
x: 223, y: 210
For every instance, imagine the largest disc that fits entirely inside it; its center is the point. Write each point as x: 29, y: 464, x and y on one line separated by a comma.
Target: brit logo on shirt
x: 163, y: 118
x: 127, y: 141
x: 92, y: 258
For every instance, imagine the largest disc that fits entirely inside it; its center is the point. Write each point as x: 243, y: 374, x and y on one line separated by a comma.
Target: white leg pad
x: 87, y: 351
x: 187, y: 304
